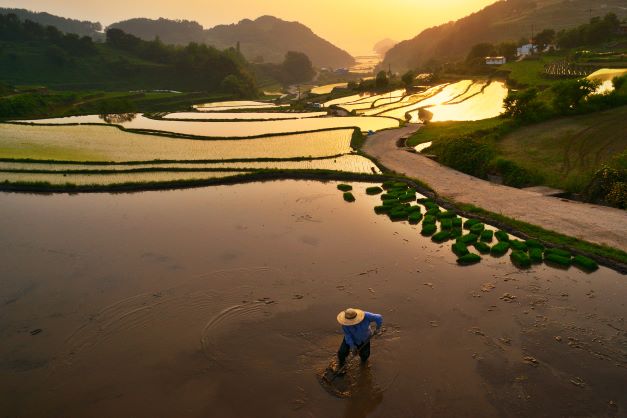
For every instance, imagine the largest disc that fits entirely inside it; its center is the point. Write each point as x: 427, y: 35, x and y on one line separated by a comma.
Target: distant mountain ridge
x: 79, y: 27
x: 502, y: 21
x: 265, y: 39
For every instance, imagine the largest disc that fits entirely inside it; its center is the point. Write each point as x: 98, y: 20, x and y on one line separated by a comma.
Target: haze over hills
x: 502, y: 21
x: 266, y: 39
x: 79, y: 27
x: 383, y: 46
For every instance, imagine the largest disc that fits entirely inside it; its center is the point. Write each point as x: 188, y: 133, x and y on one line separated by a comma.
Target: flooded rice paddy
x: 135, y: 310
x: 232, y: 129
x: 606, y: 77
x: 234, y: 105
x: 328, y: 88
x: 242, y: 115
x: 484, y: 104
x: 110, y: 144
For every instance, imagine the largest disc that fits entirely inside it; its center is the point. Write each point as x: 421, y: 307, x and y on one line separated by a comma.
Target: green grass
x: 566, y: 152
x: 438, y: 131
x: 528, y: 73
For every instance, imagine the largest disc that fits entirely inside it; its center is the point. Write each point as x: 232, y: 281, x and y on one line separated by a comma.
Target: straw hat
x: 351, y: 316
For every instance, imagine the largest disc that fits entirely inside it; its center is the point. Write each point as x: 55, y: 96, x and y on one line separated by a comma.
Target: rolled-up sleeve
x: 376, y: 318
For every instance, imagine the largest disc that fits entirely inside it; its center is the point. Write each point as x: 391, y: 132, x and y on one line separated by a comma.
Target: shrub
x: 441, y: 237
x: 552, y: 258
x: 470, y: 222
x: 534, y: 243
x: 513, y: 175
x: 477, y: 229
x: 585, y: 263
x: 486, y: 236
x: 460, y: 249
x: 428, y: 229
x: 429, y: 219
x: 374, y: 190
x: 468, y: 259
x: 466, y: 155
x: 482, y: 247
x: 414, y: 217
x: 468, y: 238
x: 558, y: 251
x: 446, y: 224
x: 617, y: 196
x: 502, y: 236
x: 609, y: 184
x: 500, y: 249
x: 348, y: 196
x: 518, y: 245
x: 520, y: 259
x: 535, y: 254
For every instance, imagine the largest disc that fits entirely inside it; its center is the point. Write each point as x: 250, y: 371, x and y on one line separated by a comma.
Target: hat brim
x: 348, y: 322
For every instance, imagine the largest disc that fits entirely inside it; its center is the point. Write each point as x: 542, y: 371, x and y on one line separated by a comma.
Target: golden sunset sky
x: 355, y: 25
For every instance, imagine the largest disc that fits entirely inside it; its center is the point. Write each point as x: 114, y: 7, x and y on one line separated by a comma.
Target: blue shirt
x: 356, y: 335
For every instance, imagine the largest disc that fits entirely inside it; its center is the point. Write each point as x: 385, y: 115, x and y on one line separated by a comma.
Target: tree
x: 297, y: 67
x: 480, y: 51
x: 544, y: 38
x: 507, y: 50
x: 525, y: 106
x: 569, y: 95
x: 382, y: 80
x: 408, y: 78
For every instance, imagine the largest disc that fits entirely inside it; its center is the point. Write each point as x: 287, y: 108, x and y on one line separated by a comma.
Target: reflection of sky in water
x: 606, y: 77
x: 485, y: 105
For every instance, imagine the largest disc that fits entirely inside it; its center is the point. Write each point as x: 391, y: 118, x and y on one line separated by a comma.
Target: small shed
x: 525, y: 50
x: 495, y: 60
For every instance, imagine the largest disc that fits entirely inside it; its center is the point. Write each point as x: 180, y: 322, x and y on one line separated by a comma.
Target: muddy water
x: 201, y: 303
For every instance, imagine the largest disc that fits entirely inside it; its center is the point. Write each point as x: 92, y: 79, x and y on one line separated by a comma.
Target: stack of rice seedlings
x: 446, y: 224
x: 559, y: 257
x: 344, y: 187
x: 482, y: 247
x: 536, y: 255
x: 460, y: 249
x: 585, y: 263
x: 441, y: 237
x: 457, y: 232
x: 468, y: 259
x: 447, y: 215
x: 457, y: 222
x: 348, y: 196
x: 428, y: 226
x: 414, y: 218
x: 501, y: 236
x: 487, y: 236
x: 477, y: 228
x: 500, y: 249
x: 470, y: 222
x: 374, y: 190
x: 468, y: 239
x: 520, y: 259
x: 518, y: 245
x: 399, y: 213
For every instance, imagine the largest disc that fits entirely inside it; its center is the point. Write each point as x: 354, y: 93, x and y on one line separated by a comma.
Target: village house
x: 495, y: 60
x: 526, y: 50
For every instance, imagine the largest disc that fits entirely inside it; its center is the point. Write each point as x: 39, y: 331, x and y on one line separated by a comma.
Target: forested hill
x: 266, y: 39
x: 502, y: 21
x: 32, y: 54
x: 79, y: 27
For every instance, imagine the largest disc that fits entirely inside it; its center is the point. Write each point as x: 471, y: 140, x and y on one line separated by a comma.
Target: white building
x: 526, y: 50
x: 495, y: 60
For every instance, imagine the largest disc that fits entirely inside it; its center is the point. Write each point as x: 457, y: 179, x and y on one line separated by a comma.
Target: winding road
x: 593, y: 223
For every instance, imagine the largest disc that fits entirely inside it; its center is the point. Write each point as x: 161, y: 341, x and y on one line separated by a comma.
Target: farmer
x: 356, y: 326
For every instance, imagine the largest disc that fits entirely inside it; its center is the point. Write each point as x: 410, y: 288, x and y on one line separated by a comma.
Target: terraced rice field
x: 61, y: 179
x: 483, y: 105
x: 606, y: 76
x: 390, y: 109
x: 213, y: 116
x: 234, y: 105
x: 110, y: 144
x: 376, y: 100
x: 328, y: 88
x: 239, y: 129
x: 349, y: 163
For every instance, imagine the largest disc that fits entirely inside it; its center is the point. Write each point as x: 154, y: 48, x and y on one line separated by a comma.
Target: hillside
x: 502, y: 21
x: 34, y: 55
x: 266, y: 39
x: 79, y: 27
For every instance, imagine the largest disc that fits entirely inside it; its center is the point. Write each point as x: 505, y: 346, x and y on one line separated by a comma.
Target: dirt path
x: 598, y: 224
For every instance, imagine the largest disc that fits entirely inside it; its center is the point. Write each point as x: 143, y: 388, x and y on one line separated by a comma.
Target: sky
x: 354, y: 25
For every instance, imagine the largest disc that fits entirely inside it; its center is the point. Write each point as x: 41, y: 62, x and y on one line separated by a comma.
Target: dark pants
x: 344, y: 351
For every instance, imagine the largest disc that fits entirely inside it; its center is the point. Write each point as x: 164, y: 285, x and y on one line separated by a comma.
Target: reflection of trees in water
x: 365, y: 396
x: 118, y: 117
